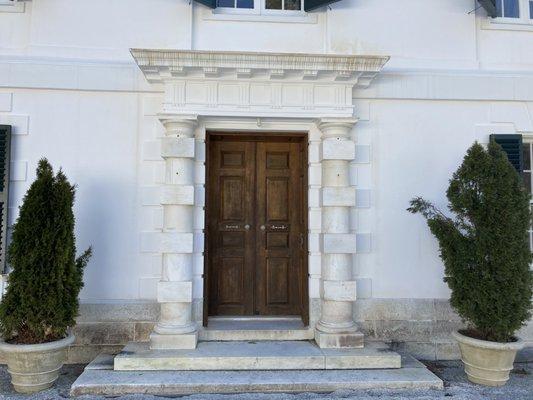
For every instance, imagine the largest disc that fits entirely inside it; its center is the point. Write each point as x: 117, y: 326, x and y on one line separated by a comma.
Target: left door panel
x: 231, y: 239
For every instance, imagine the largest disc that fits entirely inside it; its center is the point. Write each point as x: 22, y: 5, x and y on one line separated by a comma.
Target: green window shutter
x: 5, y: 152
x: 310, y: 5
x: 208, y: 3
x: 512, y: 145
x: 490, y: 7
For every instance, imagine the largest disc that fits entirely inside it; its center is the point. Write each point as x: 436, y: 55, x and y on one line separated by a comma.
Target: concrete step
x: 100, y: 379
x: 250, y: 328
x: 263, y: 355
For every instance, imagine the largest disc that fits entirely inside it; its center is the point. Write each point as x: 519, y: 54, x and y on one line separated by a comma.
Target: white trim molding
x: 258, y: 84
x: 12, y: 6
x: 250, y: 92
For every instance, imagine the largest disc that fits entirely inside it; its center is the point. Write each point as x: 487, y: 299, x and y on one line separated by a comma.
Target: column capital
x: 336, y: 127
x: 179, y: 125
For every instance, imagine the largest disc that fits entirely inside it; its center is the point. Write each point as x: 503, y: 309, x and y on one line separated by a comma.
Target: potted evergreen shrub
x: 486, y: 255
x: 41, y: 301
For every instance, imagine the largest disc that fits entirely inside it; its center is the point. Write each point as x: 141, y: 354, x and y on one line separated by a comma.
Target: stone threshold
x: 255, y: 328
x: 250, y: 355
x: 100, y: 379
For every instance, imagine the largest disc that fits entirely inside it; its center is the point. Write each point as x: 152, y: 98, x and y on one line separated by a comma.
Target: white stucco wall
x: 74, y: 95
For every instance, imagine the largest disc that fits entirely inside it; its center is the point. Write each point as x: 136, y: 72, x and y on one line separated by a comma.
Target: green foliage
x: 485, y: 246
x: 41, y: 300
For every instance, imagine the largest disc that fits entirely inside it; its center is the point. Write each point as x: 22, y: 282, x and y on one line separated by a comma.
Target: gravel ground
x: 520, y: 387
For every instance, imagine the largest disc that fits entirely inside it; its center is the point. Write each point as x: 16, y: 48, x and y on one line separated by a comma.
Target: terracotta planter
x: 35, y: 367
x: 487, y: 363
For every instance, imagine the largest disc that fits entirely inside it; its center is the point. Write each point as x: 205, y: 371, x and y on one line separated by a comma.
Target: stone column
x: 176, y: 328
x: 336, y: 327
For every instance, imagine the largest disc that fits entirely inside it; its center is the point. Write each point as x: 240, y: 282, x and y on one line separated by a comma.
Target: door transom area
x: 256, y: 255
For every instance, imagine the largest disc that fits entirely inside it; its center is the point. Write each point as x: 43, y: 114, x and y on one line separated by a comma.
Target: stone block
x: 98, y: 333
x: 404, y: 331
x: 19, y: 171
x: 151, y: 150
x: 339, y: 340
x: 20, y: 123
x: 444, y: 311
x: 339, y: 290
x: 363, y: 242
x: 364, y: 288
x: 334, y: 149
x: 148, y: 287
x: 151, y: 195
x: 118, y: 312
x: 442, y: 330
x: 173, y: 147
x: 174, y: 242
x: 362, y: 154
x: 419, y: 350
x: 395, y: 309
x: 85, y: 354
x: 177, y: 194
x: 142, y: 331
x: 315, y: 220
x: 315, y: 264
x: 174, y: 292
x: 315, y: 175
x: 6, y: 101
x: 339, y: 243
x: 338, y: 196
x: 363, y: 198
x: 447, y: 351
x: 172, y: 342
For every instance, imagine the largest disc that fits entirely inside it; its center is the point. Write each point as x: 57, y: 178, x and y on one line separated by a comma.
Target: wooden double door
x: 256, y: 226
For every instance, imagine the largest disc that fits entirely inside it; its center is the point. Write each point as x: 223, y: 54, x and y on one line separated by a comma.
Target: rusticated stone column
x: 336, y: 327
x: 176, y: 328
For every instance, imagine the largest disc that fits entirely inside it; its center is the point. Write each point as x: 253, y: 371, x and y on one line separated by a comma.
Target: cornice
x: 164, y: 65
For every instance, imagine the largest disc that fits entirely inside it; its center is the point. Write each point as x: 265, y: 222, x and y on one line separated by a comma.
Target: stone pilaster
x: 176, y: 328
x: 336, y: 327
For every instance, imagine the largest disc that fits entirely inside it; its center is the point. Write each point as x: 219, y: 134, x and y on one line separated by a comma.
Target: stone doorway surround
x: 211, y: 90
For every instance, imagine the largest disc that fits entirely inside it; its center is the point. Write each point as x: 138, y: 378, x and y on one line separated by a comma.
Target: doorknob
x: 262, y: 227
x: 246, y: 226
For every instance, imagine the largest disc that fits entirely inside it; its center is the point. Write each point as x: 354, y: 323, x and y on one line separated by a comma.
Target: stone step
x: 263, y: 355
x: 246, y: 328
x: 100, y: 379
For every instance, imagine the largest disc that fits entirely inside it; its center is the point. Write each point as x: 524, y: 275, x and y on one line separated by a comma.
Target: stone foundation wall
x: 421, y: 327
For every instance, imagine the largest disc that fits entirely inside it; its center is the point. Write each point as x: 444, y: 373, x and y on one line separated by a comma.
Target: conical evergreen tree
x: 41, y: 300
x: 485, y: 247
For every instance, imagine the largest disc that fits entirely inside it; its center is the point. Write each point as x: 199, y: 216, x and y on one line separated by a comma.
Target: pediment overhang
x: 159, y: 65
x: 258, y: 84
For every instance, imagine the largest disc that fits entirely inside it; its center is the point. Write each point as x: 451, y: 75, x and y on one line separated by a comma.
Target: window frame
x: 260, y: 9
x: 527, y: 142
x: 524, y: 16
x: 12, y: 6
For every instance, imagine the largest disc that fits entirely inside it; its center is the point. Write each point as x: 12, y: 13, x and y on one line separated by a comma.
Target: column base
x: 186, y: 341
x: 352, y: 340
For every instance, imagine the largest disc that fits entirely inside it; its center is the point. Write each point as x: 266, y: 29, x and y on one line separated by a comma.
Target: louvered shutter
x: 208, y: 3
x: 512, y: 145
x: 5, y: 151
x: 490, y: 7
x: 310, y: 5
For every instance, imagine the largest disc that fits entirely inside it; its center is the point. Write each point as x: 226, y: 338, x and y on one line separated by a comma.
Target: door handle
x: 262, y: 227
x: 247, y: 227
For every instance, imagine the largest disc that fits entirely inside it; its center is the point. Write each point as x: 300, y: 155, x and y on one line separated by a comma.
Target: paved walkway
x: 520, y: 387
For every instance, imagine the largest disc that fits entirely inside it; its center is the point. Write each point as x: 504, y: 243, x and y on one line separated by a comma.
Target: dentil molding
x: 258, y: 84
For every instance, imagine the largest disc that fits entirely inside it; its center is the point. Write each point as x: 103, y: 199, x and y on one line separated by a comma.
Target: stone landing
x: 100, y: 379
x: 250, y: 355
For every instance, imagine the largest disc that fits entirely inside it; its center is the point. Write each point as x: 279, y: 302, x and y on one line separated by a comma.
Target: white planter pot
x: 487, y: 363
x: 34, y: 367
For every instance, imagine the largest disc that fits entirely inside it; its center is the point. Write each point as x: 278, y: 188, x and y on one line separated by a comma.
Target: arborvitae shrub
x: 41, y: 300
x: 485, y: 245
